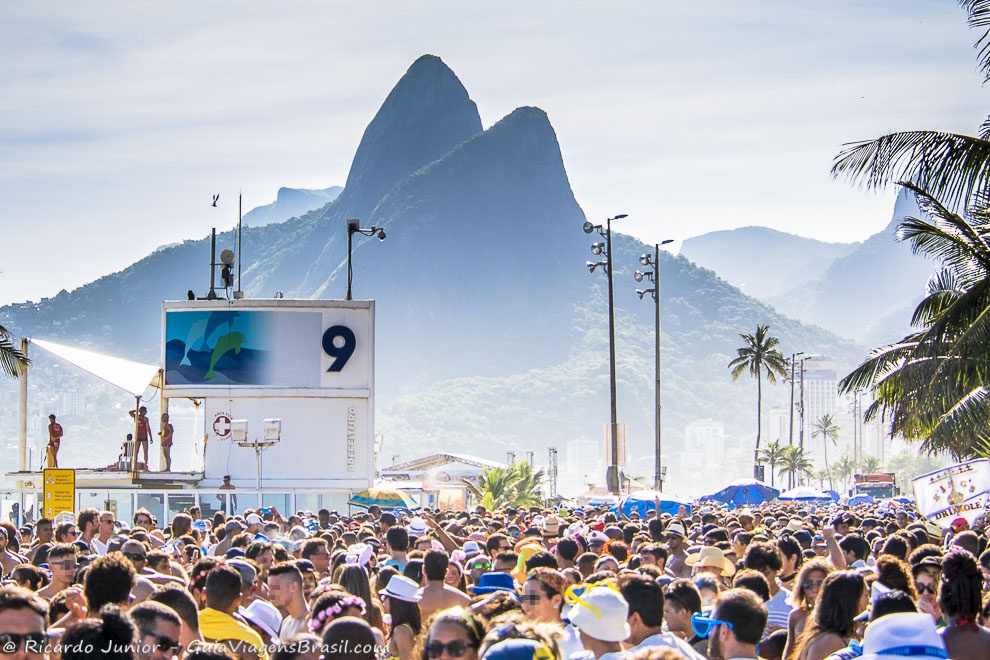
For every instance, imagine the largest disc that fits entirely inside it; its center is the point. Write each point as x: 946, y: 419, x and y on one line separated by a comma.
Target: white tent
x: 132, y: 377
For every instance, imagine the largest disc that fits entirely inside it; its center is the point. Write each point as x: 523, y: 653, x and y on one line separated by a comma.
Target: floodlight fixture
x: 589, y: 227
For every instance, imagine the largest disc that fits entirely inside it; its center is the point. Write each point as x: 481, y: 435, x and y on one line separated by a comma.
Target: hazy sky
x: 119, y: 121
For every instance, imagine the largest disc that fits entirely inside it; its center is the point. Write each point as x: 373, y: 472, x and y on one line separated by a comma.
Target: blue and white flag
x: 958, y: 491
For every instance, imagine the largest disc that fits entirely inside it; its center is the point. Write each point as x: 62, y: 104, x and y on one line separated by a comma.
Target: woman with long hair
x: 807, y: 586
x: 843, y: 596
x: 355, y: 580
x: 401, y: 602
x: 960, y: 598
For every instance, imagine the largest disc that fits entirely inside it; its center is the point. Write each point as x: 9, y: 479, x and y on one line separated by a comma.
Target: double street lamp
x: 653, y: 260
x: 612, y: 476
x: 354, y: 227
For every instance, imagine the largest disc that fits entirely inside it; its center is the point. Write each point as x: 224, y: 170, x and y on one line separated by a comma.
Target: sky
x: 120, y: 121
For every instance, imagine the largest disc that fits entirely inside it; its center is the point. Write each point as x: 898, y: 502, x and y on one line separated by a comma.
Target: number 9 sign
x: 339, y: 342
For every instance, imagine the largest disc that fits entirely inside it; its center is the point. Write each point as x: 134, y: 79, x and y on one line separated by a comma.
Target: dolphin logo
x: 225, y: 344
x: 195, y: 332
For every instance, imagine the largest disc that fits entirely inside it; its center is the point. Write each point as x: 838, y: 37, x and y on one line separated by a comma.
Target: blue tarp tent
x: 862, y: 498
x: 803, y: 494
x: 744, y: 492
x: 645, y: 500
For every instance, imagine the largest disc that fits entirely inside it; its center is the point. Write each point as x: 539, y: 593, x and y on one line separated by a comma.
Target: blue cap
x: 234, y: 552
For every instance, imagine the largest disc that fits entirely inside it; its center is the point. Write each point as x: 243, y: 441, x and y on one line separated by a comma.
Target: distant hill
x: 763, y: 262
x: 290, y: 203
x: 869, y: 294
x: 491, y: 333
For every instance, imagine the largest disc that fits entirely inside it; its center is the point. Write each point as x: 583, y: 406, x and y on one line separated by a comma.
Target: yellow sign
x: 59, y: 492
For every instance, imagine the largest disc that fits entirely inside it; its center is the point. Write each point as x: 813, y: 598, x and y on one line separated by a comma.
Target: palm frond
x: 950, y: 166
x: 978, y: 16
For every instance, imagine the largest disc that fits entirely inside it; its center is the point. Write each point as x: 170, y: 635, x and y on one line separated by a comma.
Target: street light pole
x: 790, y: 434
x: 654, y: 275
x: 612, y: 476
x: 354, y: 227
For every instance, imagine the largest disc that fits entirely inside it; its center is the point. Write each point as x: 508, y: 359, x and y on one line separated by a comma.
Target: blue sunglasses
x: 702, y: 625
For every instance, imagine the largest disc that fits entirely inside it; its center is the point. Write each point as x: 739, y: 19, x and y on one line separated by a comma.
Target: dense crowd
x: 529, y: 584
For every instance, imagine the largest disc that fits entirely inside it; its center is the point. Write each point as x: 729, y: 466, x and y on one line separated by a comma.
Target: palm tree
x: 12, y: 361
x: 843, y: 469
x: 820, y: 476
x: 758, y: 355
x: 932, y: 384
x: 527, y: 485
x: 495, y: 487
x: 826, y: 428
x: 869, y: 464
x: 773, y: 456
x: 795, y: 464
x: 516, y: 485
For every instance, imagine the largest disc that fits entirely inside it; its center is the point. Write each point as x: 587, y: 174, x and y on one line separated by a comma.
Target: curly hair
x: 961, y: 590
x: 109, y: 580
x: 109, y: 637
x: 895, y: 573
x: 545, y: 634
x: 329, y: 606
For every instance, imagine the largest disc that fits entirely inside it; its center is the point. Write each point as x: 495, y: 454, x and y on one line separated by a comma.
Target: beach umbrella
x: 803, y: 494
x: 646, y: 500
x: 862, y: 498
x: 386, y: 496
x: 745, y: 492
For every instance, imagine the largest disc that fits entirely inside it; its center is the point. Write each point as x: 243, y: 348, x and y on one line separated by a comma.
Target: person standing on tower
x: 54, y: 441
x: 143, y: 434
x: 166, y: 436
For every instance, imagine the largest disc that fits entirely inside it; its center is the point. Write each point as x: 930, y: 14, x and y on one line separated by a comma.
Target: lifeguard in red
x: 54, y: 441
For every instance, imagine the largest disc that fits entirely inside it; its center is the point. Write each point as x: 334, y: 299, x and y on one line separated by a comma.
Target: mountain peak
x: 426, y: 114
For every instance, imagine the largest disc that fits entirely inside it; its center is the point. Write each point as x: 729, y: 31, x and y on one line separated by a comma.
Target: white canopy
x: 132, y: 377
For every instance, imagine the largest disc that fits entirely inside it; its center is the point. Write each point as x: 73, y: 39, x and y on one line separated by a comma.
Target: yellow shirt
x: 220, y: 626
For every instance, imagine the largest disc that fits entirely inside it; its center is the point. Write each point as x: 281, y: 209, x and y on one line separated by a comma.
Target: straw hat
x: 712, y: 557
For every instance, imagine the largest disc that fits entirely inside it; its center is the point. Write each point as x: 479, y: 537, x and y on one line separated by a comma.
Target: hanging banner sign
x: 958, y: 491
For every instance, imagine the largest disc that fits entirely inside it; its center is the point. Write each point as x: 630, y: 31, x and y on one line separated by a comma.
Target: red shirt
x: 142, y: 427
x: 54, y: 432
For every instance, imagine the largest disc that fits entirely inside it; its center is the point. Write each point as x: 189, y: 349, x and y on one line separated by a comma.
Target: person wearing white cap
x: 904, y: 635
x: 676, y: 558
x: 400, y: 598
x: 600, y: 614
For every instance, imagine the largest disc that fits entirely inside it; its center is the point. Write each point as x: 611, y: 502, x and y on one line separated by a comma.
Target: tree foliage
x: 12, y: 361
x: 772, y: 455
x: 795, y: 465
x: 759, y: 356
x: 516, y: 486
x: 826, y: 429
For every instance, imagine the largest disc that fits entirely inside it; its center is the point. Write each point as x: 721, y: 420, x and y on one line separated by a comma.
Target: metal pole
x: 790, y: 433
x: 615, y: 488
x: 349, y: 235
x: 22, y: 390
x: 801, y: 409
x: 240, y: 219
x: 137, y: 414
x: 656, y: 299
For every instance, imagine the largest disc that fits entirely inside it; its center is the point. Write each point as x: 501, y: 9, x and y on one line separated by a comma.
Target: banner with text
x: 958, y: 491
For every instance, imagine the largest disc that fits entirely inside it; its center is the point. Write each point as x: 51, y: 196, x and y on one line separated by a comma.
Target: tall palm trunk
x: 825, y: 455
x: 759, y: 408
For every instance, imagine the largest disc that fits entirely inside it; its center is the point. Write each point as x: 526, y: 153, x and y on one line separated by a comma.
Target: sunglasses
x: 36, y: 642
x: 808, y: 584
x: 73, y: 532
x: 163, y: 643
x: 135, y: 556
x: 702, y: 625
x: 455, y: 649
x: 480, y: 566
x: 929, y: 587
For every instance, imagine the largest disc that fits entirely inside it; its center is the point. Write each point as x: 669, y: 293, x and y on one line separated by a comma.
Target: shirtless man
x: 63, y: 561
x: 437, y: 595
x: 166, y: 435
x: 7, y: 558
x: 54, y: 441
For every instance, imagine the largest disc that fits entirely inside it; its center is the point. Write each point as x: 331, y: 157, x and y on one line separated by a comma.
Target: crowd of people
x: 772, y: 582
